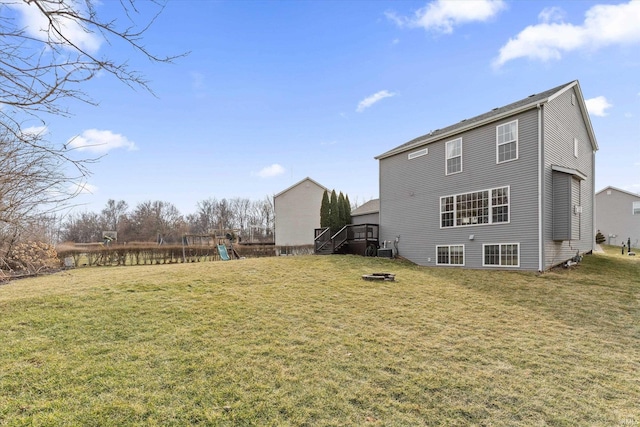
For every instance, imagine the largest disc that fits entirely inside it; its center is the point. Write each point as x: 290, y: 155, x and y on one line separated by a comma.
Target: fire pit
x: 390, y: 277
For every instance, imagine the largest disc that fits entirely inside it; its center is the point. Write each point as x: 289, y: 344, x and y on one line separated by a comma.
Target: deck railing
x: 322, y: 241
x: 363, y: 234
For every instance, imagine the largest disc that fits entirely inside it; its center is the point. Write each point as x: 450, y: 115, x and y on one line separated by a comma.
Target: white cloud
x: 271, y: 171
x: 36, y: 25
x: 551, y: 14
x: 604, y: 25
x: 100, y: 141
x: 36, y: 131
x: 443, y: 15
x: 370, y: 100
x: 597, y: 106
x: 83, y: 188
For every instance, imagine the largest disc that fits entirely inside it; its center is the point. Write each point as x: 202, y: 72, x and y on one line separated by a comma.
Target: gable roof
x: 298, y: 183
x: 629, y: 193
x: 372, y: 206
x: 532, y: 101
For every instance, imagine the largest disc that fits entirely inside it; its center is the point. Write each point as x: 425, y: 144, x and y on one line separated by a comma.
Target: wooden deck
x: 357, y: 239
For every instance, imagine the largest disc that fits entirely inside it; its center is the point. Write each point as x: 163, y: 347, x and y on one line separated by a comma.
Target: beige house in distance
x: 297, y: 213
x: 618, y: 216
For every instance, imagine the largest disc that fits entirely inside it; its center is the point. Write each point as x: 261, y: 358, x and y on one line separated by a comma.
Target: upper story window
x: 507, y: 141
x: 636, y: 208
x: 575, y: 147
x: 454, y: 156
x: 479, y: 207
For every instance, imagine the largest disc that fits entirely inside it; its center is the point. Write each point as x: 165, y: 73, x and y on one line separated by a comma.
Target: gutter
x: 429, y: 139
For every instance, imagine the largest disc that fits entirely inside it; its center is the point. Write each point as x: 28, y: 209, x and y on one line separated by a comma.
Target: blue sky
x: 275, y: 91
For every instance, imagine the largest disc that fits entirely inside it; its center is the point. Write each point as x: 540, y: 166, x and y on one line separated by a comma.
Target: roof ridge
x: 495, y: 112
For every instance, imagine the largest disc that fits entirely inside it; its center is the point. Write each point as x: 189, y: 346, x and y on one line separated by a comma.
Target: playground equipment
x: 222, y: 250
x: 222, y: 240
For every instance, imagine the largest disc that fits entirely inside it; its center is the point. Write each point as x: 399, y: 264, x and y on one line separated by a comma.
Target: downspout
x: 540, y: 231
x: 593, y: 200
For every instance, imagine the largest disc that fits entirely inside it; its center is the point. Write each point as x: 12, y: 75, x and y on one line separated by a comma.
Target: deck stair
x: 352, y: 238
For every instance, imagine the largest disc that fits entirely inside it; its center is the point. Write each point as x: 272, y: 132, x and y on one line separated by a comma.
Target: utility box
x: 385, y: 253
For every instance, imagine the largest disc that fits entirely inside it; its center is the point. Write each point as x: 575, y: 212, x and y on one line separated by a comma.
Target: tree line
x: 162, y: 222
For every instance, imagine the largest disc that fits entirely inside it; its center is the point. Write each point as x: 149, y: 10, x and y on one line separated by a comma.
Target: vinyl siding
x: 297, y: 214
x: 576, y: 197
x: 615, y: 219
x: 372, y: 218
x: 561, y: 221
x: 562, y: 123
x: 410, y: 192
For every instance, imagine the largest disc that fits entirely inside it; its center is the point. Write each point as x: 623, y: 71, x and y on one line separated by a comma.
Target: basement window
x: 501, y: 255
x: 450, y: 255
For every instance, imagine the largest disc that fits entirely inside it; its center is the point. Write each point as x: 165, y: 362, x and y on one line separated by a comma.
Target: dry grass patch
x: 305, y: 341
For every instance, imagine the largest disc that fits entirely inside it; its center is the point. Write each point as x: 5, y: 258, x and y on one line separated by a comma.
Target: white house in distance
x: 297, y: 213
x: 618, y: 216
x: 510, y: 188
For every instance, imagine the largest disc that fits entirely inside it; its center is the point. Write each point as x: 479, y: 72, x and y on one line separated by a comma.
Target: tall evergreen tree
x: 341, y: 213
x: 347, y: 209
x: 325, y: 210
x: 334, y: 218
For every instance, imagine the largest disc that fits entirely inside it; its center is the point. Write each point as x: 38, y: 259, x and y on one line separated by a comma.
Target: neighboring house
x: 511, y: 188
x: 368, y: 213
x: 297, y: 213
x: 618, y: 216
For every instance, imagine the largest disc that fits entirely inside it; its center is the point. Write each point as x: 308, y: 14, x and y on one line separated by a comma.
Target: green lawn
x: 305, y: 341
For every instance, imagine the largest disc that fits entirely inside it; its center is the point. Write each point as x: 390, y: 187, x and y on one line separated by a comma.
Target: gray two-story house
x: 511, y: 188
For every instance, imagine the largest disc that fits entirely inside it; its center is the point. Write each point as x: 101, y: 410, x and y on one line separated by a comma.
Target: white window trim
x: 509, y: 142
x: 500, y: 255
x: 446, y: 157
x: 575, y: 147
x: 635, y: 206
x: 464, y: 255
x: 508, y: 187
x: 418, y: 153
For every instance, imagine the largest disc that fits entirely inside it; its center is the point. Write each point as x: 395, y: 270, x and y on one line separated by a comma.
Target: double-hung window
x: 507, y: 142
x: 454, y: 156
x: 501, y: 255
x: 636, y: 208
x: 450, y: 255
x: 446, y: 211
x: 479, y: 207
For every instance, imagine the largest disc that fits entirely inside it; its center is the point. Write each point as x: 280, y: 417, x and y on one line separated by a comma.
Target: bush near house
x: 31, y: 258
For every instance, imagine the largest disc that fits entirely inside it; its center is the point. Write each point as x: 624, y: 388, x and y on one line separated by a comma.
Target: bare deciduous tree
x: 48, y: 49
x: 113, y: 214
x: 84, y: 227
x: 156, y: 220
